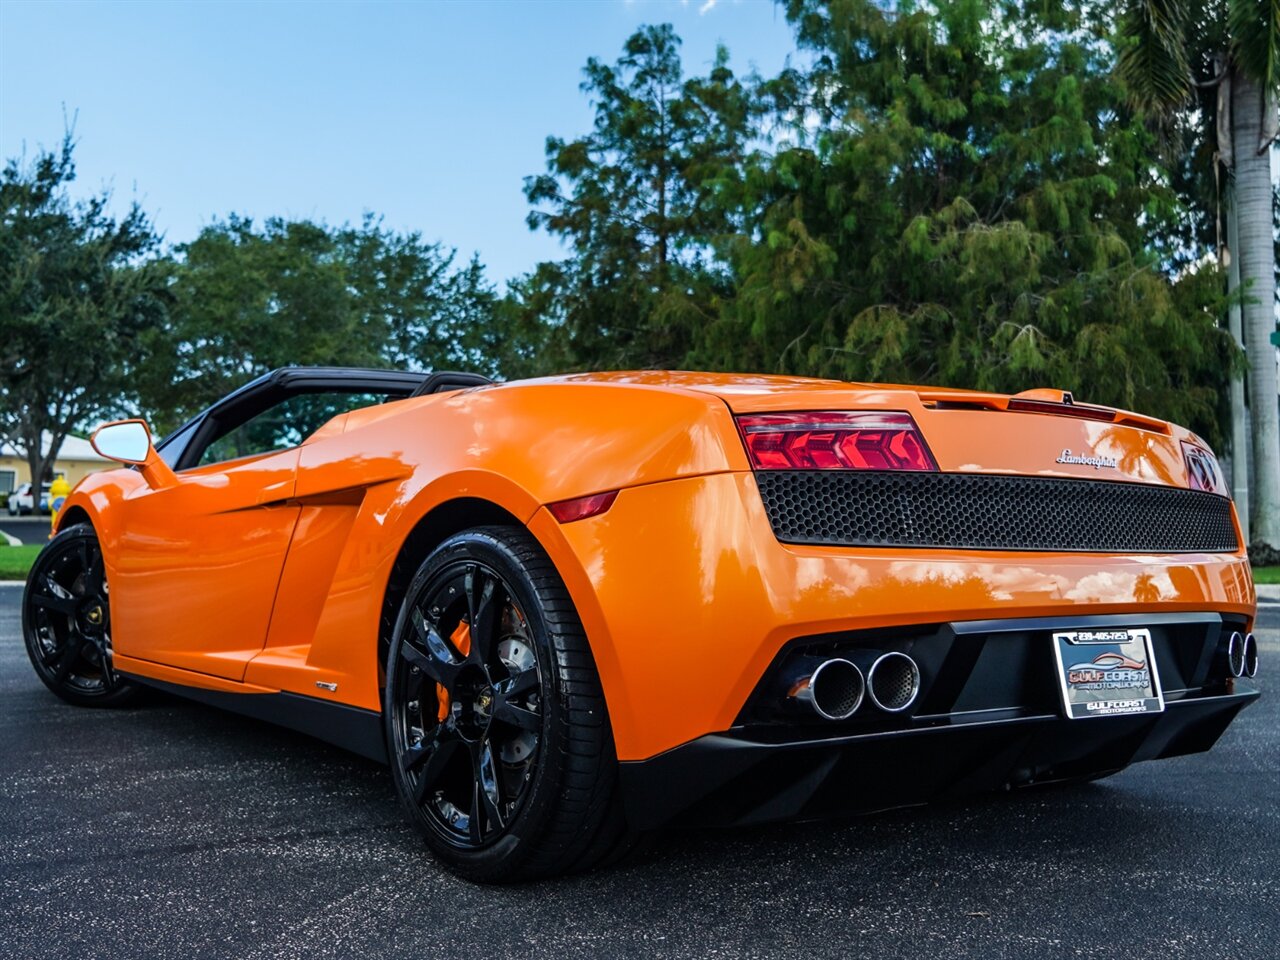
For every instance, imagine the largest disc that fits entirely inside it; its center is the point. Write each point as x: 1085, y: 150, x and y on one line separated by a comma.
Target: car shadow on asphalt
x: 1059, y: 824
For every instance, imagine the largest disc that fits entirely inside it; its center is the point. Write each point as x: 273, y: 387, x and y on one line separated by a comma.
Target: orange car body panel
x: 276, y: 574
x: 688, y: 596
x: 183, y: 555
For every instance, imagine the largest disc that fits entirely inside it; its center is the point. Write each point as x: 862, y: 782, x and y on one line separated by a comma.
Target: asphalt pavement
x: 25, y: 529
x: 175, y: 830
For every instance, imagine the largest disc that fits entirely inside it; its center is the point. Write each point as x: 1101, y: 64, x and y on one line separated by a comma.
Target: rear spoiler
x: 1057, y: 403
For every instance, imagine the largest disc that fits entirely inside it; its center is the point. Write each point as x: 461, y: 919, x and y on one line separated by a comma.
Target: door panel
x: 319, y: 540
x: 197, y: 567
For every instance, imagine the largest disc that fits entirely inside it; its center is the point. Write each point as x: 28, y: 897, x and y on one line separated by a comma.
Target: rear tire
x: 66, y: 622
x: 497, y: 732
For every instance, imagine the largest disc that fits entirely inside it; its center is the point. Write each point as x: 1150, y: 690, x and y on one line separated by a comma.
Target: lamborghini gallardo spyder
x: 569, y: 611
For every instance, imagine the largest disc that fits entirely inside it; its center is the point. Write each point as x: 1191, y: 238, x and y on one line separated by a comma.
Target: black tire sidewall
x: 124, y: 690
x: 493, y: 547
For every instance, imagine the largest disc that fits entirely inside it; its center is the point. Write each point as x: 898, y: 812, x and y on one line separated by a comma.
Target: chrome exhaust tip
x: 1235, y: 654
x: 834, y: 689
x: 893, y: 682
x: 1249, y: 658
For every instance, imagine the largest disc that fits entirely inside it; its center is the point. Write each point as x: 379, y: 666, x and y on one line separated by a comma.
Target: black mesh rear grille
x: 991, y: 512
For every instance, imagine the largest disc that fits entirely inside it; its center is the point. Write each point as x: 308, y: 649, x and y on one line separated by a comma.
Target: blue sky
x: 428, y: 113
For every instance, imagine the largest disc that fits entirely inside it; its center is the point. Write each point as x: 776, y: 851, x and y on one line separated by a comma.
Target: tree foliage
x: 637, y: 201
x: 1211, y: 74
x: 972, y: 204
x: 951, y: 192
x: 1255, y: 38
x: 937, y: 191
x: 81, y: 297
x: 247, y: 299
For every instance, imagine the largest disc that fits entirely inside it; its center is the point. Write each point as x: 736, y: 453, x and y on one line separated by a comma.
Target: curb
x: 13, y: 583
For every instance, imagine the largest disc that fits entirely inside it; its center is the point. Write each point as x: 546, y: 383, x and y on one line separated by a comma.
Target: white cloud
x: 707, y: 7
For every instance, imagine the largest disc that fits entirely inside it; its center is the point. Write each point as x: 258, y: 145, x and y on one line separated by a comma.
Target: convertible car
x: 570, y: 611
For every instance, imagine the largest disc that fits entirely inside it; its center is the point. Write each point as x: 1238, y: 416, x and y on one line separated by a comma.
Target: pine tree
x: 963, y: 198
x: 636, y: 200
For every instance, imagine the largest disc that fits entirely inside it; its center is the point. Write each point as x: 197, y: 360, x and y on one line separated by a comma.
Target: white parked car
x: 22, y: 503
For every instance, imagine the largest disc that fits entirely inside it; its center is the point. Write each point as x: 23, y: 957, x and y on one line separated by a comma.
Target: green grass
x: 1266, y: 574
x: 16, y: 561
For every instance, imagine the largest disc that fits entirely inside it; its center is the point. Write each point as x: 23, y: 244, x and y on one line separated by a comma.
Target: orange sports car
x: 568, y: 611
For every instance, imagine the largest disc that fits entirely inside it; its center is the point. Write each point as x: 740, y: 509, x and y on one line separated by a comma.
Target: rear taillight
x: 1202, y: 469
x: 580, y: 508
x: 834, y: 441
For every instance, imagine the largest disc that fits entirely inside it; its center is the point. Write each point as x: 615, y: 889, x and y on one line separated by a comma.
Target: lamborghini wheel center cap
x: 484, y: 704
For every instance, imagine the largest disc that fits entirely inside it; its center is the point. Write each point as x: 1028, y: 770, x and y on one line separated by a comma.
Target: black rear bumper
x: 989, y: 719
x: 725, y: 780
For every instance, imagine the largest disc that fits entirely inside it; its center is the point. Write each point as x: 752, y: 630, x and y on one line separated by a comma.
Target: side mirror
x: 129, y: 441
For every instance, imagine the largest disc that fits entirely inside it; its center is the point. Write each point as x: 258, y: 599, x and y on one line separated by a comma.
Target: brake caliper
x: 461, y: 640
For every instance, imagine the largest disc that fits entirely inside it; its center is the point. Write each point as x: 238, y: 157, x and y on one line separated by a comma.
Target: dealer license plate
x: 1107, y: 673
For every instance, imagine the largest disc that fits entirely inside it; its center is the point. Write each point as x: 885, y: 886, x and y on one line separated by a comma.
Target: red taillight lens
x: 834, y: 441
x: 567, y: 511
x: 1202, y: 469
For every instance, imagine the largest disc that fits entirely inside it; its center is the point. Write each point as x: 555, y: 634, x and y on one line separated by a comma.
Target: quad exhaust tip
x: 834, y: 690
x: 1249, y: 657
x: 893, y: 682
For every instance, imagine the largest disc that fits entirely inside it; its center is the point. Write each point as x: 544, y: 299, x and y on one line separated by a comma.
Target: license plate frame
x: 1107, y: 672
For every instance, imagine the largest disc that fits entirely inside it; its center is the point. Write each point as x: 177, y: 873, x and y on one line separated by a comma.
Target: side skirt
x: 350, y: 728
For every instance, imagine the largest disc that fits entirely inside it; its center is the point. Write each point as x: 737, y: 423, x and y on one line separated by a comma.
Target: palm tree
x: 1163, y: 42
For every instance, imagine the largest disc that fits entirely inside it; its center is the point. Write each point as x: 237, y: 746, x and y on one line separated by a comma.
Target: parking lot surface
x: 175, y: 830
x: 24, y: 529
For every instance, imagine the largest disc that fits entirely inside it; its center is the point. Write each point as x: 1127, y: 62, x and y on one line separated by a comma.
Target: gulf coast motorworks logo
x: 1109, y: 671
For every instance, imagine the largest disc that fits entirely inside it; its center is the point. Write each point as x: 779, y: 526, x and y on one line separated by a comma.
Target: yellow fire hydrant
x: 58, y: 492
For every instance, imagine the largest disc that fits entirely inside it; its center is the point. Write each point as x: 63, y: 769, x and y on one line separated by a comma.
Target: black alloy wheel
x: 468, y: 707
x: 489, y: 681
x: 66, y: 621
